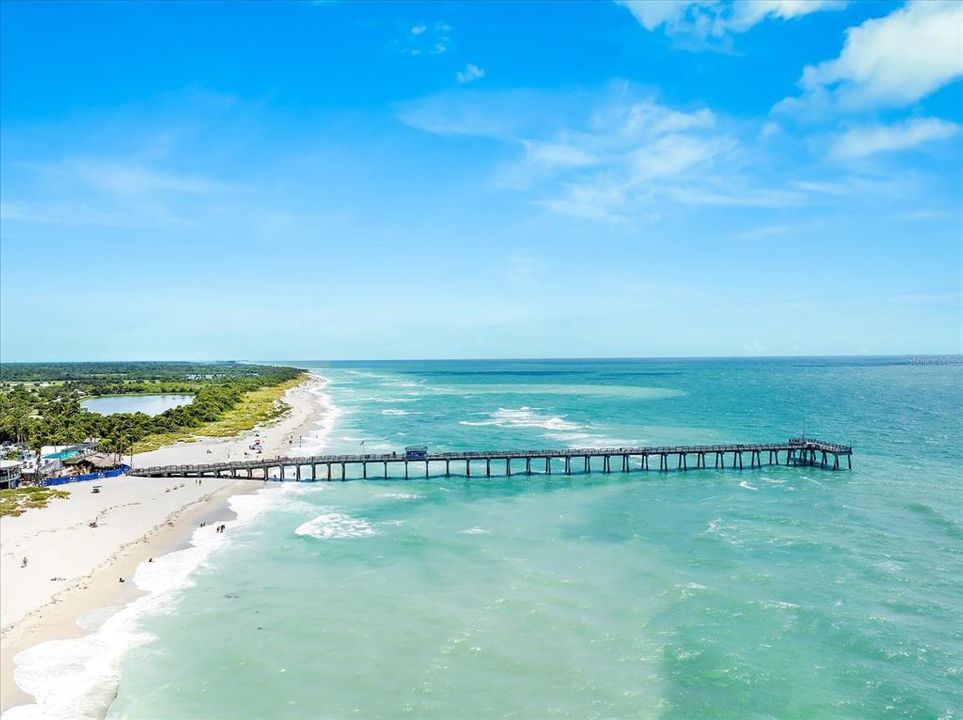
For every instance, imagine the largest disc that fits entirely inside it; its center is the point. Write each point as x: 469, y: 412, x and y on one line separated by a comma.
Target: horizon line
x: 498, y: 359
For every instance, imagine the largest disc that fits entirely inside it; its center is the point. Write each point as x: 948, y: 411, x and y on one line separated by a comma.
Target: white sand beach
x: 73, y: 568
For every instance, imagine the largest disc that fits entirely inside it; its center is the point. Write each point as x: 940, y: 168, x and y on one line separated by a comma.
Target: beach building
x: 91, y: 463
x: 10, y: 474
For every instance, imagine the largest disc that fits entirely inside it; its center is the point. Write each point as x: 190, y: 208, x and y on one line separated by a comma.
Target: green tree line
x: 37, y: 413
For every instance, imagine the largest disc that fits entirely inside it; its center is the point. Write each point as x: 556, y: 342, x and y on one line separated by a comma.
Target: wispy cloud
x: 624, y: 156
x: 130, y: 179
x: 891, y: 61
x: 109, y: 192
x: 712, y: 20
x: 865, y: 141
x: 426, y: 39
x: 471, y: 73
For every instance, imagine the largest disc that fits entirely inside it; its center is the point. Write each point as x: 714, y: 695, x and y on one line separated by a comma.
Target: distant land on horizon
x: 928, y: 356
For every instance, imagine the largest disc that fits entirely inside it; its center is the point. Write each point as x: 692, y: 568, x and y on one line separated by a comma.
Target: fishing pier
x: 797, y: 452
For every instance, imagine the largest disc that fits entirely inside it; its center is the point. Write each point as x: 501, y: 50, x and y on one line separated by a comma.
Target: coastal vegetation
x: 15, y: 502
x: 40, y: 404
x: 255, y: 406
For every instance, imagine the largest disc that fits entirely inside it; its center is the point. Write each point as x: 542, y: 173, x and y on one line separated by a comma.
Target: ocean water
x: 769, y: 593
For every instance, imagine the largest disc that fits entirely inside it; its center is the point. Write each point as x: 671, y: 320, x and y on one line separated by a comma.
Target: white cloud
x: 557, y: 154
x: 747, y: 13
x: 890, y: 61
x: 622, y: 156
x: 424, y: 39
x: 630, y: 157
x: 769, y: 130
x: 610, y: 162
x: 864, y: 141
x: 706, y: 19
x: 469, y: 74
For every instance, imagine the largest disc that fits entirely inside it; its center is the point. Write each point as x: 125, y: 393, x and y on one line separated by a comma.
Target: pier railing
x: 795, y: 451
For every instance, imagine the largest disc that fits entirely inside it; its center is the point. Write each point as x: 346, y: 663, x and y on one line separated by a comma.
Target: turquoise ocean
x: 768, y: 593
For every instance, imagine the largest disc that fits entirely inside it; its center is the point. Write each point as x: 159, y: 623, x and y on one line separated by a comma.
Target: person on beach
x: 23, y: 563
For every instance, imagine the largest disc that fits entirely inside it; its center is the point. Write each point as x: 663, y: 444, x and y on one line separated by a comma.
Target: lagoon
x: 147, y: 404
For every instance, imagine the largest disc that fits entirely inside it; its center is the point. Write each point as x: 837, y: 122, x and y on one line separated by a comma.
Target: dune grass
x: 18, y: 500
x: 256, y: 407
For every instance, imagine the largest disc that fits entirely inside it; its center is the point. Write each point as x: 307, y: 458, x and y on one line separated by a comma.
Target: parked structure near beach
x: 10, y: 472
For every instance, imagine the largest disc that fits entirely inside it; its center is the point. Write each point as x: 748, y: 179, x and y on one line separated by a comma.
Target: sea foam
x: 332, y: 525
x: 523, y: 417
x: 76, y: 679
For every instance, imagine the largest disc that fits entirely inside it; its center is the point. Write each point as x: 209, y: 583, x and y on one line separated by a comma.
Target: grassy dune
x: 255, y: 407
x: 15, y: 502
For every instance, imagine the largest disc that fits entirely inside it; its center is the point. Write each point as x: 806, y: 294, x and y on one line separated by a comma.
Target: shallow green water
x: 773, y: 593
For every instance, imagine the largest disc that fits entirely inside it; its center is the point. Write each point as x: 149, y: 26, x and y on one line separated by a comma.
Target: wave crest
x: 334, y: 525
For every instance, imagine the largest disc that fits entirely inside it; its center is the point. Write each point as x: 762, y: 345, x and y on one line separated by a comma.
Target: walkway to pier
x: 794, y: 452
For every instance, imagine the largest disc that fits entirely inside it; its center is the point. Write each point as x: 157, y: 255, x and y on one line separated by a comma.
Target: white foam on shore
x: 316, y: 441
x: 394, y: 411
x: 333, y: 525
x: 77, y: 679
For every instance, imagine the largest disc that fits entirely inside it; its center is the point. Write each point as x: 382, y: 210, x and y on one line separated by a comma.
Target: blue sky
x: 336, y: 180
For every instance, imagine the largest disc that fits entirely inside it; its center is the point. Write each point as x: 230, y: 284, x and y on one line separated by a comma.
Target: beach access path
x: 137, y: 518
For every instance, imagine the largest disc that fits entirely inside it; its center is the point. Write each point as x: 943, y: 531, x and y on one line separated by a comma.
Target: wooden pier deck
x: 794, y: 452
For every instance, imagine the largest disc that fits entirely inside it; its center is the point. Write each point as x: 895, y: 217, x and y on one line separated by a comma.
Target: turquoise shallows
x: 771, y: 593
